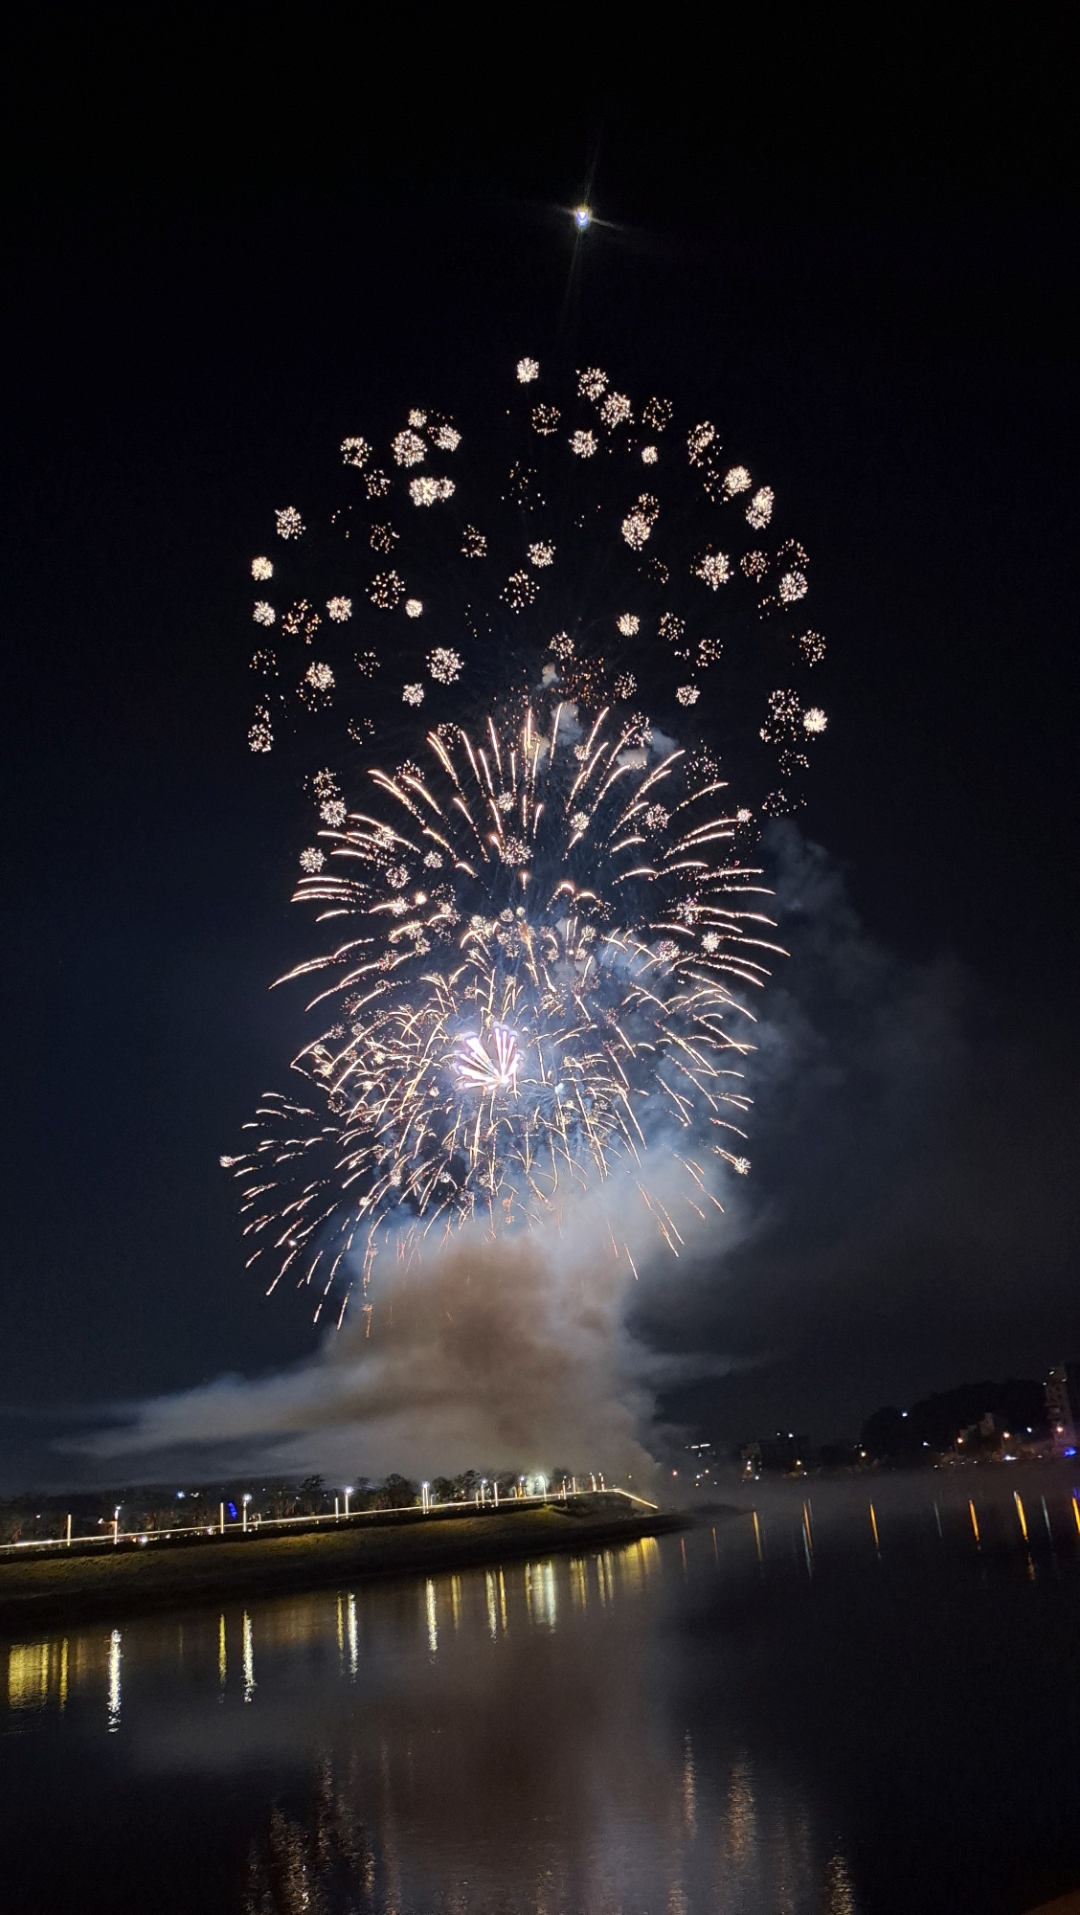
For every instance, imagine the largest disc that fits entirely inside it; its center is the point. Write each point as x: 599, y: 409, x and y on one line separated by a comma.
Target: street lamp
x: 247, y: 1499
x: 348, y: 1492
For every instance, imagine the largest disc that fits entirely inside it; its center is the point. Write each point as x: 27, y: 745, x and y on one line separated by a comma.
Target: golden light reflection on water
x: 839, y: 1892
x: 37, y: 1674
x: 540, y: 1594
x: 332, y: 1857
x: 564, y: 1736
x: 298, y: 1864
x: 41, y: 1674
x: 605, y: 1576
x: 503, y: 1725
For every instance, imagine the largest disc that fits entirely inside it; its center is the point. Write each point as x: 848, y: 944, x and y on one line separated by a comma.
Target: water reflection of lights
x: 741, y: 1820
x: 689, y: 1787
x: 114, y: 1681
x: 540, y: 1593
x: 354, y: 1638
x: 605, y: 1576
x: 37, y: 1674
x: 44, y: 1674
x: 493, y: 1618
x: 692, y: 1813
x: 249, y: 1659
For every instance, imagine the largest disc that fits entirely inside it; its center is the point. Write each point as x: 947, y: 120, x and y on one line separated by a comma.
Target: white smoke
x: 506, y: 1353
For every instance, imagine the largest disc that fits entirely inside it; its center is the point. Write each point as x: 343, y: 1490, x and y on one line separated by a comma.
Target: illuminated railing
x: 241, y: 1525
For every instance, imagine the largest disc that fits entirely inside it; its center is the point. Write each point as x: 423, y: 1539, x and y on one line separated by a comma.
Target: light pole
x: 247, y: 1499
x: 348, y: 1493
x: 425, y: 1497
x: 116, y: 1523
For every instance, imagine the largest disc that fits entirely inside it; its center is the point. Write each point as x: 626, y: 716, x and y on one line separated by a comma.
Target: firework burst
x: 536, y: 989
x: 577, y: 512
x: 543, y: 922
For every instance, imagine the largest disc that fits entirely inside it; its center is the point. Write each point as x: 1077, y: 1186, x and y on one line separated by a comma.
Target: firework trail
x: 543, y: 923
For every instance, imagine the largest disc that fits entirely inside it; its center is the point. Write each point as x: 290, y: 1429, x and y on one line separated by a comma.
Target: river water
x: 825, y: 1711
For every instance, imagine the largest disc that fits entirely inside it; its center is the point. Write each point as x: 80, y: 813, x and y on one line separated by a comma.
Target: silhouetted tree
x: 397, y: 1493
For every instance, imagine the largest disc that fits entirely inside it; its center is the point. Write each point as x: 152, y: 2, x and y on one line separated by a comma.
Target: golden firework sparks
x: 520, y: 1026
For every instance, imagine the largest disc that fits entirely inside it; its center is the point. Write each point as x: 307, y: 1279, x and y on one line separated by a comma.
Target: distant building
x: 702, y: 1457
x: 1061, y: 1395
x: 980, y: 1438
x: 785, y: 1453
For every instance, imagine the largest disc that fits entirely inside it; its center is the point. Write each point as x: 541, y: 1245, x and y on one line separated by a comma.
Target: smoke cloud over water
x: 541, y: 1350
x: 899, y: 1198
x: 500, y: 1355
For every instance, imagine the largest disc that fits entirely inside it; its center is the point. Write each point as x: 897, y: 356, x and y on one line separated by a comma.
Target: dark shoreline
x: 56, y: 1589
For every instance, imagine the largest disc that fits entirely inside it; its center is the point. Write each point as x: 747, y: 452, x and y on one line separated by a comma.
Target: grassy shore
x: 57, y: 1587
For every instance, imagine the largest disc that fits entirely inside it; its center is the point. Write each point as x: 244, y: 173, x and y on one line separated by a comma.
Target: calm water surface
x: 793, y: 1719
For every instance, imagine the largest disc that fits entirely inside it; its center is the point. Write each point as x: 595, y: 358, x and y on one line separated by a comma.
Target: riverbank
x: 130, y: 1579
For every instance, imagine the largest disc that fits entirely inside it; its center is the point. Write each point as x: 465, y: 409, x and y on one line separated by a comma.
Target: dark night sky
x: 223, y: 242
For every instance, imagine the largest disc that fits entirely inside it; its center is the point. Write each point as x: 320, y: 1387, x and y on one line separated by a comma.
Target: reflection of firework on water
x: 532, y: 524
x: 545, y: 927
